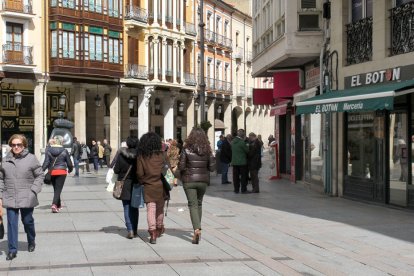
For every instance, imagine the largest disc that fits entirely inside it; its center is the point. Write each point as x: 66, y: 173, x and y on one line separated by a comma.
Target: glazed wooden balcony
x: 17, y: 6
x: 86, y: 67
x: 18, y: 54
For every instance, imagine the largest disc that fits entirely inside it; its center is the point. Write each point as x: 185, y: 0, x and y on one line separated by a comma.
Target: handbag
x: 167, y: 186
x: 48, y: 177
x: 137, y: 197
x: 168, y: 175
x: 1, y: 228
x: 119, y: 185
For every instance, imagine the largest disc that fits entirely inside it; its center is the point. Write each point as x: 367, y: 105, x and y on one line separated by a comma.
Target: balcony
x: 21, y: 9
x: 228, y: 43
x: 402, y: 29
x: 228, y: 87
x: 359, y: 41
x: 209, y: 36
x: 249, y: 57
x: 137, y: 14
x: 136, y: 71
x: 210, y: 83
x: 241, y: 92
x: 190, y: 79
x: 238, y: 55
x: 220, y: 85
x: 190, y: 29
x: 17, y: 54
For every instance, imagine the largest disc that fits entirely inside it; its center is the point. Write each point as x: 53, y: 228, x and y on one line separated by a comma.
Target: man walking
x: 107, y: 152
x: 75, y: 152
x: 254, y: 160
x: 239, y: 150
x: 225, y: 158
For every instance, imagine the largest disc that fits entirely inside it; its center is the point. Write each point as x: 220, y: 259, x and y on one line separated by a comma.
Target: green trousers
x: 195, y: 192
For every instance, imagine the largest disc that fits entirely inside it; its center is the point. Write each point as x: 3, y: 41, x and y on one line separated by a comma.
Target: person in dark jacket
x: 254, y: 162
x: 225, y: 159
x: 21, y: 179
x: 196, y: 163
x: 126, y: 166
x: 239, y: 150
x: 76, y: 154
x: 150, y: 163
x: 107, y: 152
x: 94, y: 155
x: 58, y: 162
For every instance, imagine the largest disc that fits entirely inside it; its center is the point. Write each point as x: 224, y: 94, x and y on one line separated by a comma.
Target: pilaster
x: 155, y: 13
x: 40, y: 116
x: 80, y: 113
x: 174, y: 14
x: 143, y: 110
x: 168, y: 110
x: 175, y: 48
x: 210, y: 117
x: 164, y: 58
x: 181, y: 51
x: 114, y: 118
x: 156, y: 57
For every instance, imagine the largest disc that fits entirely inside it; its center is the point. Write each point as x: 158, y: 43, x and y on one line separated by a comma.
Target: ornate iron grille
x: 359, y: 41
x: 402, y: 29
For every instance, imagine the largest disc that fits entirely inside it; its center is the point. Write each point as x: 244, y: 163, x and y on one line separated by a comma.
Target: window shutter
x: 308, y: 4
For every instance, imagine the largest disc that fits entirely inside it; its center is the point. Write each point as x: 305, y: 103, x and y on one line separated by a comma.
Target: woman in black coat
x: 125, y: 166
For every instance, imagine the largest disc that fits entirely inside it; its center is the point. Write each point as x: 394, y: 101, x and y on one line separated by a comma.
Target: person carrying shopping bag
x: 125, y: 168
x: 21, y: 178
x: 196, y: 163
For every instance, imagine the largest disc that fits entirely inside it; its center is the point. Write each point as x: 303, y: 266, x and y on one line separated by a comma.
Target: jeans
x: 95, y: 163
x: 57, y: 181
x: 195, y: 192
x: 224, y: 171
x: 76, y: 165
x: 240, y: 177
x: 13, y: 227
x: 155, y: 215
x: 131, y: 216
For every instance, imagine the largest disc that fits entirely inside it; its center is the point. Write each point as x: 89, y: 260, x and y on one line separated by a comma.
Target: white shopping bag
x: 111, y: 177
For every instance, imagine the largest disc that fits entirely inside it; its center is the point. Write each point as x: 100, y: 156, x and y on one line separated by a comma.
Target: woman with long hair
x: 21, y: 179
x: 196, y: 163
x: 173, y: 154
x: 57, y: 160
x: 125, y: 167
x: 149, y: 168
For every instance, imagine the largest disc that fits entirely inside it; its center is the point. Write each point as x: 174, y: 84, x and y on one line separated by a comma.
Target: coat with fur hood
x: 126, y: 158
x: 21, y: 179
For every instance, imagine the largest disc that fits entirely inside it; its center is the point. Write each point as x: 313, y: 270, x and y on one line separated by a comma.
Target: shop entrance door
x: 398, y: 162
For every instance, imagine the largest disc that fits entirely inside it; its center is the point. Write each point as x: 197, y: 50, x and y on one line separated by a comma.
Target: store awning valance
x: 376, y: 97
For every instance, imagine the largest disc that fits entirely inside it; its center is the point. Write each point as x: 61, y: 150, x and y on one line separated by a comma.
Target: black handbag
x: 1, y: 228
x: 48, y: 177
x: 119, y: 185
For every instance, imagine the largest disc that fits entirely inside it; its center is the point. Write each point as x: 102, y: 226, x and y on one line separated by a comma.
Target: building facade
x: 372, y: 132
x: 287, y: 41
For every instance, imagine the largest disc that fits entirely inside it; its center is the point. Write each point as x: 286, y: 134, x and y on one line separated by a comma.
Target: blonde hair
x: 20, y: 137
x: 58, y: 140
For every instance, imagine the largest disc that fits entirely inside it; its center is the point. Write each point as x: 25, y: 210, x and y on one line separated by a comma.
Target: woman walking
x: 85, y: 157
x: 149, y: 167
x: 125, y: 167
x: 94, y: 155
x: 58, y: 162
x: 173, y: 154
x: 21, y: 179
x: 196, y: 163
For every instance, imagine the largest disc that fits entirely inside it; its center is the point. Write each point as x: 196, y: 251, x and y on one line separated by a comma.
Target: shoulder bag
x: 48, y: 177
x: 119, y: 185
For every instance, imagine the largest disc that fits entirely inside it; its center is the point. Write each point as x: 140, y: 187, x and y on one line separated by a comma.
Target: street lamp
x: 181, y: 107
x: 97, y: 100
x: 197, y: 106
x: 62, y: 99
x: 219, y: 109
x: 157, y: 105
x: 18, y: 97
x: 131, y: 104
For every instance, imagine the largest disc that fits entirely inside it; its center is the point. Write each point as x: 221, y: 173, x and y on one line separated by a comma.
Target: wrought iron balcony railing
x: 228, y: 86
x: 228, y: 43
x: 190, y: 29
x: 16, y: 53
x: 359, y: 41
x: 210, y: 36
x: 18, y: 6
x: 402, y: 29
x: 136, y: 13
x: 219, y: 85
x: 136, y: 71
x: 190, y: 79
x: 210, y: 83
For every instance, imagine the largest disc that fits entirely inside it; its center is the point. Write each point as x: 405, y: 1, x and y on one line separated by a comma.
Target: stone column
x: 174, y: 14
x: 227, y: 108
x: 168, y: 110
x: 175, y: 47
x: 182, y: 16
x: 181, y: 48
x: 163, y: 11
x: 156, y: 57
x: 164, y: 58
x: 114, y: 118
x: 191, y: 115
x: 40, y: 117
x: 146, y: 55
x: 143, y: 110
x: 210, y: 117
x: 79, y: 111
x: 155, y: 13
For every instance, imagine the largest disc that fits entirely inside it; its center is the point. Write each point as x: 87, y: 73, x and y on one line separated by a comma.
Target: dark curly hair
x: 197, y: 142
x: 149, y: 144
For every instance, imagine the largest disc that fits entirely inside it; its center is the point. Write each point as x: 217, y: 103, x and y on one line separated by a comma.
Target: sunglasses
x: 16, y: 145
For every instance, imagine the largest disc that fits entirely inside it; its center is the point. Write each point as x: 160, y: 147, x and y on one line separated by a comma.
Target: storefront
x: 378, y: 126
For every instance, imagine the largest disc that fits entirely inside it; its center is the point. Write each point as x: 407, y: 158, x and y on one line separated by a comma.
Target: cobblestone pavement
x: 284, y: 230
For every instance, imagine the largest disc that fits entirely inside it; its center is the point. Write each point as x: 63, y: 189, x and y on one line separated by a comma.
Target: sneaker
x: 55, y: 209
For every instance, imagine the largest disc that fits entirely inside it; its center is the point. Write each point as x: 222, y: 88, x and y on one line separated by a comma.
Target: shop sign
x: 312, y: 77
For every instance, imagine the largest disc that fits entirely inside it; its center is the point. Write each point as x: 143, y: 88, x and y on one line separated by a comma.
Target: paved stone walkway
x: 284, y: 230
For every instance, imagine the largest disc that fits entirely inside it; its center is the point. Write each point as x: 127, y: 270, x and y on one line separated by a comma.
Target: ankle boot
x: 153, y: 236
x: 197, y: 236
x: 160, y: 231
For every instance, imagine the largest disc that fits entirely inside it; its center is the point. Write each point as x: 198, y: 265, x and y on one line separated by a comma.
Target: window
x: 68, y: 44
x: 308, y: 22
x: 113, y: 50
x: 308, y: 4
x: 169, y: 11
x: 237, y: 39
x: 169, y: 58
x: 361, y: 9
x: 401, y: 2
x: 94, y: 5
x: 226, y: 26
x: 68, y: 4
x: 54, y: 44
x: 114, y: 8
x: 14, y: 37
x: 95, y: 47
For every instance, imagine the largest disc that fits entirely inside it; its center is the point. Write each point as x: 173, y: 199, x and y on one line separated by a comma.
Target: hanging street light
x: 98, y: 100
x: 18, y: 97
x: 131, y: 104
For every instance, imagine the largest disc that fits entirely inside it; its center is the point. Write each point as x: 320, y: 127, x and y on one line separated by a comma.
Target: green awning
x: 376, y: 97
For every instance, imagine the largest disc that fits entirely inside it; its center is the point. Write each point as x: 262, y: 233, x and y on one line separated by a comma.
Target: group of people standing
x: 245, y: 155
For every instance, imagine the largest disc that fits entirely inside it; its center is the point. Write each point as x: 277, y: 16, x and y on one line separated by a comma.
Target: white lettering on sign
x: 377, y: 77
x: 357, y: 106
x: 355, y: 81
